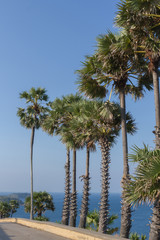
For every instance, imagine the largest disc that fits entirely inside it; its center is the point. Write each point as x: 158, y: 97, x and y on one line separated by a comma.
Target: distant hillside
x: 20, y: 197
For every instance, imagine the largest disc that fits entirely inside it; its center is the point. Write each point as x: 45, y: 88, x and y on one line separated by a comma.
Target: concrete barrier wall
x: 62, y: 230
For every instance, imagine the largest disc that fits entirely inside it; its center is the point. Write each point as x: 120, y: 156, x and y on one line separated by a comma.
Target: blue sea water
x: 140, y: 215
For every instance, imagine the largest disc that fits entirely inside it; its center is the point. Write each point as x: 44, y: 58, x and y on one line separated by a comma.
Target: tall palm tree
x: 114, y: 65
x: 32, y: 118
x: 144, y: 185
x: 57, y: 123
x: 66, y: 203
x: 86, y: 187
x: 141, y: 19
x: 53, y: 125
x: 117, y: 55
x: 68, y: 138
x: 100, y: 122
x: 81, y: 141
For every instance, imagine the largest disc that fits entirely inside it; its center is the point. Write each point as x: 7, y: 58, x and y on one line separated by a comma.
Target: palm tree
x: 32, y: 118
x: 141, y: 20
x: 114, y: 64
x: 144, y: 185
x: 100, y: 122
x: 14, y: 205
x: 53, y: 125
x: 71, y: 143
x: 5, y: 210
x: 118, y: 58
x: 42, y: 201
x: 79, y: 138
x: 57, y: 123
x: 86, y: 188
x: 66, y: 203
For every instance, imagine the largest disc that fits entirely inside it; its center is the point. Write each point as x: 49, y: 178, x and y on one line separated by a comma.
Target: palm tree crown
x: 35, y: 112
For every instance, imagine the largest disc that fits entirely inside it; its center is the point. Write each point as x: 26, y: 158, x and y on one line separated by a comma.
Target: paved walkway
x: 13, y: 231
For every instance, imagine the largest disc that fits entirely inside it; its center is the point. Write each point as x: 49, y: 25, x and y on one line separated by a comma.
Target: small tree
x: 5, y: 209
x: 14, y: 205
x: 42, y: 201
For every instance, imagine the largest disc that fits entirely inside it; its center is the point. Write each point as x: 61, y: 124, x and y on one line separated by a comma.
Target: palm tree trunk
x: 104, y: 204
x: 155, y: 222
x: 125, y: 209
x: 32, y: 142
x: 66, y: 204
x: 85, y: 198
x: 73, y: 205
x: 154, y: 227
x: 157, y: 105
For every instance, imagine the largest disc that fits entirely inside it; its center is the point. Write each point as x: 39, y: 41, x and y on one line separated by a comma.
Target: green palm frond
x: 35, y: 112
x: 139, y: 154
x: 144, y: 185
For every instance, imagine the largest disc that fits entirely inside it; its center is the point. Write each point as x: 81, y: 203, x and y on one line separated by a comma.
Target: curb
x: 62, y: 230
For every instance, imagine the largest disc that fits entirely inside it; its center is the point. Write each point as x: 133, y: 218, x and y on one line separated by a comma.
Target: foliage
x: 42, y: 201
x: 135, y: 236
x: 144, y: 184
x: 8, y: 209
x: 97, y: 119
x: 59, y: 117
x: 14, y: 205
x: 41, y: 218
x: 93, y: 222
x: 5, y: 210
x: 35, y: 113
x: 114, y: 65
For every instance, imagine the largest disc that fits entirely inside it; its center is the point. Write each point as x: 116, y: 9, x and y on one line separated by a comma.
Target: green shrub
x: 42, y: 218
x: 135, y: 236
x: 92, y: 222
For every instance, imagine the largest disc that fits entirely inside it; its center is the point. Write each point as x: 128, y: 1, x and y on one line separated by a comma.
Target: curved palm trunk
x: 73, y: 204
x: 32, y: 142
x: 125, y: 208
x: 85, y: 198
x: 104, y: 204
x: 66, y: 204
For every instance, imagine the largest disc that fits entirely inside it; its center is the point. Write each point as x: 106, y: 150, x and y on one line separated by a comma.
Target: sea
x: 140, y: 216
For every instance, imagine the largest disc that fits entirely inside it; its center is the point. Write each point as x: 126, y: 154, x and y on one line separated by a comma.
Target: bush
x: 42, y: 201
x: 42, y: 218
x: 135, y: 236
x: 92, y: 222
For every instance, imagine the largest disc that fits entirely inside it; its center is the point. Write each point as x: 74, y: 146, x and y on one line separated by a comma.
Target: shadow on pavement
x: 3, y: 235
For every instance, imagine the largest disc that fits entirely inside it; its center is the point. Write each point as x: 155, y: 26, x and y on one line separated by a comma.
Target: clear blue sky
x: 42, y: 44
